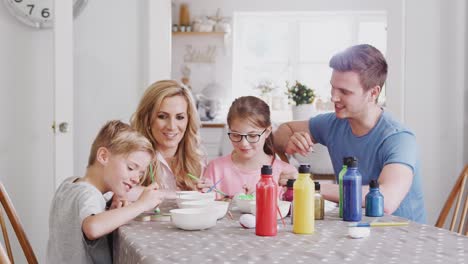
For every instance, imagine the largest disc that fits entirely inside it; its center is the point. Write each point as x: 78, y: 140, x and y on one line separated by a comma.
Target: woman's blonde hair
x: 120, y: 139
x: 188, y: 157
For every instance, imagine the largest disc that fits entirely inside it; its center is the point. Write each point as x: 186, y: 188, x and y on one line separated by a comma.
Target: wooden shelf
x: 198, y: 33
x: 212, y: 125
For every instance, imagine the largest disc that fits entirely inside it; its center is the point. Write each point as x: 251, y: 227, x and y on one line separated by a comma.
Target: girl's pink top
x: 234, y: 178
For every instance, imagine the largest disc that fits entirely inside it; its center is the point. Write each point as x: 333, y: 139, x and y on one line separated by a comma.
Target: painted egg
x: 358, y: 232
x: 247, y: 221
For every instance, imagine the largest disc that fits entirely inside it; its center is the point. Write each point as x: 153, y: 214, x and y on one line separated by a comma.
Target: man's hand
x: 299, y: 142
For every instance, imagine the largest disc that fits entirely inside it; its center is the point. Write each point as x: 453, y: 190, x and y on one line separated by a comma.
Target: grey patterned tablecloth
x: 228, y: 242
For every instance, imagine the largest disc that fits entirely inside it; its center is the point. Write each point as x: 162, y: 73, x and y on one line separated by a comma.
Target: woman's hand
x: 204, y: 185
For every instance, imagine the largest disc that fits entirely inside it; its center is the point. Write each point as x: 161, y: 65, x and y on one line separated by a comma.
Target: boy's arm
x: 98, y: 225
x: 293, y: 137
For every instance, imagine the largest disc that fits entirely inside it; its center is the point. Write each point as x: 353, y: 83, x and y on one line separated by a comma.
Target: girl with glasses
x: 250, y: 133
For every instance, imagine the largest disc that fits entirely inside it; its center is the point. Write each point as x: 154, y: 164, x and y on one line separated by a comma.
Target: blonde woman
x: 167, y: 116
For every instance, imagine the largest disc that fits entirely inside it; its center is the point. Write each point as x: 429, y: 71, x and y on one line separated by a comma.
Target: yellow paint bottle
x: 303, y: 203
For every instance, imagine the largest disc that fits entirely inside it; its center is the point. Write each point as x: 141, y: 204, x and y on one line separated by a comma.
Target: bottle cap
x: 267, y: 170
x: 347, y: 160
x: 317, y: 186
x: 304, y: 168
x: 353, y: 162
x: 290, y: 182
x: 374, y: 184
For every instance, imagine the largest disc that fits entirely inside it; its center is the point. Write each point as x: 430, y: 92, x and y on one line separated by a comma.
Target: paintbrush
x: 211, y: 188
x: 377, y: 224
x: 214, y: 185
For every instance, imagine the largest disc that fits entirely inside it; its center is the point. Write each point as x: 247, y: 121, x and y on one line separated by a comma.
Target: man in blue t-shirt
x: 385, y: 149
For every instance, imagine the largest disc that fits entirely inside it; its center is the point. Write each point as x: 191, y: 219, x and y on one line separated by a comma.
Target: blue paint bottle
x: 352, y: 192
x: 374, y: 200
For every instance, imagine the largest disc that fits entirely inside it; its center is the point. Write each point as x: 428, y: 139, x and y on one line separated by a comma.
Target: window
x: 287, y: 46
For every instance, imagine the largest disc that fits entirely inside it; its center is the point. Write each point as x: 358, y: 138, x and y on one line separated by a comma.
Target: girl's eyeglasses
x: 251, y: 137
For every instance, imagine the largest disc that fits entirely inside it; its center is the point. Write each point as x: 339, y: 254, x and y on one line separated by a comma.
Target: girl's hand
x: 299, y: 142
x: 285, y: 176
x: 247, y: 189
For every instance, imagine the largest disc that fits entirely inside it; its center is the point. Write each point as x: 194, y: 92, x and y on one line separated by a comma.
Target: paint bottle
x: 319, y: 203
x: 288, y: 195
x: 303, y: 203
x: 346, y: 161
x: 266, y: 204
x: 352, y: 192
x: 374, y: 200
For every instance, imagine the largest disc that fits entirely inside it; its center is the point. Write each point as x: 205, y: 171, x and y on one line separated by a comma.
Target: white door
x: 63, y: 90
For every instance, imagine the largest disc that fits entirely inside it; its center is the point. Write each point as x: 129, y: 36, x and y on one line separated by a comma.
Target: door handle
x: 63, y: 127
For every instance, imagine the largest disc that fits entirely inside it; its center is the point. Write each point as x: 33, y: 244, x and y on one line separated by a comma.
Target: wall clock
x: 38, y: 13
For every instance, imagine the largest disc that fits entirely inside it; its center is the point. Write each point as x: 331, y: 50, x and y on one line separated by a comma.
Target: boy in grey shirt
x: 78, y: 221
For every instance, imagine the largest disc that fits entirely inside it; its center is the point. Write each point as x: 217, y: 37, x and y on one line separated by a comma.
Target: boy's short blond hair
x: 120, y: 139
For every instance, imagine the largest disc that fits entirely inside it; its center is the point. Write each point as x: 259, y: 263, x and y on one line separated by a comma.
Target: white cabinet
x: 214, y: 140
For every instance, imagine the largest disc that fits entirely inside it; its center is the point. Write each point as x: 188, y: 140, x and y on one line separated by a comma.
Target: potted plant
x: 301, y: 98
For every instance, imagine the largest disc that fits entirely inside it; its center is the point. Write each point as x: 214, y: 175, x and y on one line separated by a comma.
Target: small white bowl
x: 221, y: 207
x: 196, y: 203
x: 283, y: 207
x: 243, y: 204
x: 179, y: 193
x: 194, y: 218
x: 195, y: 197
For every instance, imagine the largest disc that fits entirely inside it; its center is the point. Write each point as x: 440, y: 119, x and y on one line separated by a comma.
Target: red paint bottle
x: 266, y: 204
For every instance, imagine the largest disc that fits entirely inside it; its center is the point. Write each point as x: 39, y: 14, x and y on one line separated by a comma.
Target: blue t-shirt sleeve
x: 319, y: 127
x: 400, y: 148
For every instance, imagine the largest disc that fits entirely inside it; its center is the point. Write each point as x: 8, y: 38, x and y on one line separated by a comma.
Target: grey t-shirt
x: 72, y: 203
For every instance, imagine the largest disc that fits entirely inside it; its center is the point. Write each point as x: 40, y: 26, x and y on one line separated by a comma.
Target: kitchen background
x: 122, y: 46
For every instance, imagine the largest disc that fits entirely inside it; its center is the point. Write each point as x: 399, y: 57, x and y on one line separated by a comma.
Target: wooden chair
x: 4, y: 259
x: 17, y: 227
x: 459, y: 191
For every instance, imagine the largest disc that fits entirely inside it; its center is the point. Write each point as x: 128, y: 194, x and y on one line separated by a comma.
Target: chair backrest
x: 4, y: 259
x: 460, y: 193
x: 17, y: 227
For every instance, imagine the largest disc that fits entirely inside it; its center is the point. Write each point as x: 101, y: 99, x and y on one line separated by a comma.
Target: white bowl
x: 195, y: 197
x: 243, y: 204
x: 194, y: 218
x: 196, y: 203
x: 220, y: 206
x: 283, y: 206
x: 179, y: 193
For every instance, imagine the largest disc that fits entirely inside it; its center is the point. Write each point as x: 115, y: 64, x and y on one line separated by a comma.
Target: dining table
x: 228, y: 242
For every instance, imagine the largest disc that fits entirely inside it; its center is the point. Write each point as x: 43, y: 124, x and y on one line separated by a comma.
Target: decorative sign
x: 194, y: 55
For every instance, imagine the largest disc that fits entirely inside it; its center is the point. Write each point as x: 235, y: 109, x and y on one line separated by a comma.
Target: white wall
x: 426, y: 83
x: 26, y: 142
x: 434, y: 105
x: 108, y: 69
